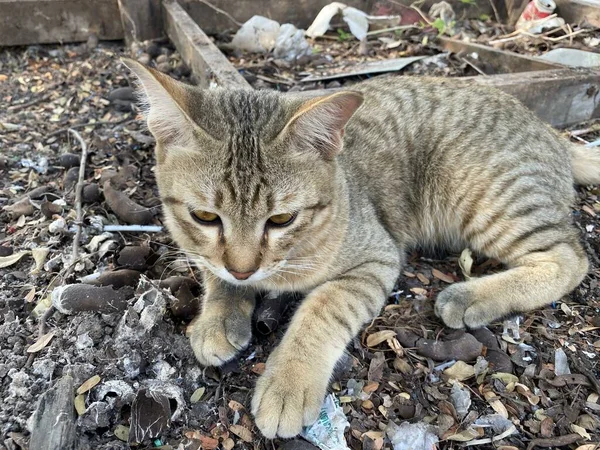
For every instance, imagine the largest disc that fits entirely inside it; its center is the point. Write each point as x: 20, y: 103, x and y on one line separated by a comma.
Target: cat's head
x: 248, y: 179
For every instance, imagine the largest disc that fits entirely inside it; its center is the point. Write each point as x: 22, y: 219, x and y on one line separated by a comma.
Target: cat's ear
x: 165, y: 102
x: 319, y: 123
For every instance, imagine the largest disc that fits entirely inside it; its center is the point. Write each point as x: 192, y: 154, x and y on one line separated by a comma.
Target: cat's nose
x: 241, y: 275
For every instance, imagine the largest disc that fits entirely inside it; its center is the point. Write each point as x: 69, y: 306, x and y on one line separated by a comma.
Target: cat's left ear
x: 166, y: 104
x: 318, y: 125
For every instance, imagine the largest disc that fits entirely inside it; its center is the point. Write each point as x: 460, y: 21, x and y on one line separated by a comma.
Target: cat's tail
x: 585, y: 163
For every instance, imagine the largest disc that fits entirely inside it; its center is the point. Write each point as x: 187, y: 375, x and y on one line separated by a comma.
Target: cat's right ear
x: 165, y: 102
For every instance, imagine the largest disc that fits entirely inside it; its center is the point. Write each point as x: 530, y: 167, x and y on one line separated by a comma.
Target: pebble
x: 144, y: 59
x: 68, y: 160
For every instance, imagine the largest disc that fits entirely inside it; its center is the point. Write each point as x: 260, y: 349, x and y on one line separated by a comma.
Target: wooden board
x: 141, y: 19
x: 496, y: 61
x: 207, y: 62
x: 24, y: 22
x: 559, y: 97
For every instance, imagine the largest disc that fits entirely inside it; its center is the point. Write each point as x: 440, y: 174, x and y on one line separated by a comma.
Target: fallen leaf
x: 30, y: 295
x: 496, y: 404
x: 259, y: 368
x: 379, y: 337
x: 396, y: 346
x: 460, y: 371
x: 228, y: 444
x: 506, y: 378
x: 88, y: 384
x: 376, y: 367
x: 374, y: 434
x: 80, y: 404
x: 588, y: 210
x: 402, y: 366
x: 418, y: 291
x: 442, y: 276
x: 423, y: 279
x: 235, y: 406
x: 7, y: 261
x: 367, y: 404
x: 466, y: 263
x: 122, y: 433
x: 39, y: 255
x: 207, y: 442
x: 581, y: 431
x: 588, y: 447
x: 466, y: 436
x: 197, y: 395
x: 243, y: 433
x: 41, y: 342
x: 371, y: 387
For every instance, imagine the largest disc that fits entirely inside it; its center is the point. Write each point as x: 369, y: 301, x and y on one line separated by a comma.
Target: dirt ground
x: 533, y: 381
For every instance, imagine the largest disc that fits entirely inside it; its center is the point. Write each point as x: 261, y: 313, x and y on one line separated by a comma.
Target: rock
x: 91, y: 193
x: 52, y: 425
x: 68, y: 160
x: 144, y: 59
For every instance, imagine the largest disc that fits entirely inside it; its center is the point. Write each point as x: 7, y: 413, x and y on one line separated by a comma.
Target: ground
x: 511, y: 380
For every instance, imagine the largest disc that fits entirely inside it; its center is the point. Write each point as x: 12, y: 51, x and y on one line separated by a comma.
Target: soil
x: 138, y: 345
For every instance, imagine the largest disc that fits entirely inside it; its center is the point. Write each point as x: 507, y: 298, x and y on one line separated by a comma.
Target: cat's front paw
x: 287, y: 397
x: 452, y: 304
x: 216, y: 339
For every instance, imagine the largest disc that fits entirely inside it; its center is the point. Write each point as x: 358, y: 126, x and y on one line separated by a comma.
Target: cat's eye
x: 205, y: 217
x: 281, y: 220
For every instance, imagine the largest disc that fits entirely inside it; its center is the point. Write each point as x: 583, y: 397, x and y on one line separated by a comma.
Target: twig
x: 220, y: 11
x: 19, y: 106
x: 93, y: 124
x: 477, y: 69
x: 496, y: 15
x: 78, y: 192
x: 421, y: 13
x: 386, y: 30
x: 134, y: 228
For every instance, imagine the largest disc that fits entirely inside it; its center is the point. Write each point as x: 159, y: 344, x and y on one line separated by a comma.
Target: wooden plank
x: 499, y: 61
x: 559, y: 97
x: 24, y: 22
x: 579, y: 11
x: 141, y: 19
x: 53, y: 422
x: 207, y: 62
x: 298, y: 12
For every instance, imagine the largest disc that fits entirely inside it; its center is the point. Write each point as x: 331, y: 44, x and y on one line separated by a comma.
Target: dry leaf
x: 402, y: 366
x: 30, y: 295
x: 39, y: 255
x: 589, y: 210
x: 367, y: 404
x: 122, y: 433
x: 228, y: 444
x: 80, y: 404
x: 243, y: 433
x: 581, y: 431
x: 207, y: 442
x: 88, y: 384
x: 466, y: 263
x: 588, y: 447
x: 235, y: 406
x: 467, y: 435
x: 423, y: 279
x: 460, y: 371
x: 442, y: 276
x: 418, y: 291
x: 496, y: 404
x: 396, y: 346
x: 506, y: 378
x: 374, y: 434
x: 371, y: 387
x: 379, y: 337
x: 197, y: 395
x: 259, y: 368
x: 7, y: 261
x: 41, y: 342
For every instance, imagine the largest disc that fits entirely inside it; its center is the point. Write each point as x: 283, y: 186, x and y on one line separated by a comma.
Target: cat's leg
x: 290, y: 392
x: 543, y: 267
x: 224, y: 327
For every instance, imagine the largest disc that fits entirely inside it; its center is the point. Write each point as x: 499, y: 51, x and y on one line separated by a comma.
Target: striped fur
x: 424, y: 162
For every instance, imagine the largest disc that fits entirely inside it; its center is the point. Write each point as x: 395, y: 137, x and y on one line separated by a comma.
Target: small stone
x: 91, y: 193
x: 68, y: 160
x: 144, y: 59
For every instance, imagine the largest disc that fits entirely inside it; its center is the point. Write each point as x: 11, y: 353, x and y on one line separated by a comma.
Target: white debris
x: 412, y: 436
x: 328, y: 431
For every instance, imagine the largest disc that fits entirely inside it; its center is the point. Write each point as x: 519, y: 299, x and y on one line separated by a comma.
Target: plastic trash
x: 262, y: 35
x: 257, y: 35
x: 357, y: 20
x: 561, y: 363
x: 412, y: 436
x: 461, y: 399
x: 291, y: 44
x: 572, y: 57
x: 328, y: 431
x: 538, y: 16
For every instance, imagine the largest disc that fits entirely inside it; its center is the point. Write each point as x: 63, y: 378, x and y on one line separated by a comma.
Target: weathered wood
x: 53, y: 422
x: 499, y: 61
x: 559, y: 97
x: 579, y: 11
x: 24, y: 22
x: 141, y: 19
x: 299, y: 12
x: 207, y: 62
x: 514, y: 8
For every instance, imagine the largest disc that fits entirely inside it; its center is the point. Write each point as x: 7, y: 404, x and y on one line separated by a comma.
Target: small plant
x: 484, y: 17
x: 343, y: 35
x: 442, y: 27
x: 469, y: 2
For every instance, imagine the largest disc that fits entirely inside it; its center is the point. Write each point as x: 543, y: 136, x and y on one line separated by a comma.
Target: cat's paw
x: 452, y: 304
x: 287, y: 397
x: 216, y: 339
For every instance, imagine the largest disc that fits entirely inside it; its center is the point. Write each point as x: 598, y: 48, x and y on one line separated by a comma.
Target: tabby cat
x: 324, y: 195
